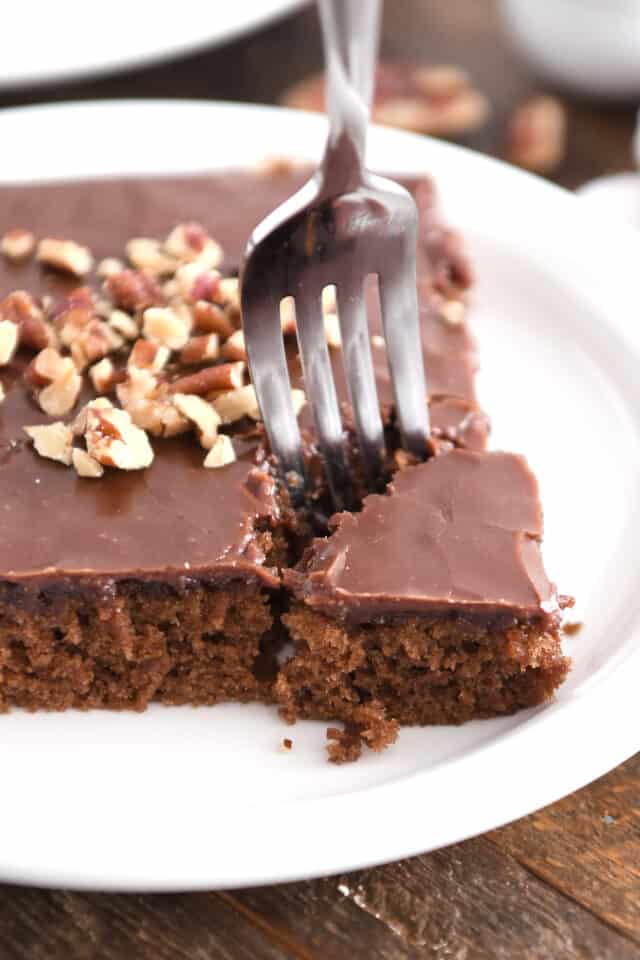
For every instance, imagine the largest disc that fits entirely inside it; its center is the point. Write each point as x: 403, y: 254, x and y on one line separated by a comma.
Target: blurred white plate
x: 180, y: 798
x: 51, y: 42
x: 615, y: 198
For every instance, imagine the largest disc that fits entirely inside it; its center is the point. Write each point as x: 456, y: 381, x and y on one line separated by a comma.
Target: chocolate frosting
x: 176, y: 515
x: 462, y: 529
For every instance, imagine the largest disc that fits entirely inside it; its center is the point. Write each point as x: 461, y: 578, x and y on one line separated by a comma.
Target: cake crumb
x: 287, y: 743
x: 573, y: 627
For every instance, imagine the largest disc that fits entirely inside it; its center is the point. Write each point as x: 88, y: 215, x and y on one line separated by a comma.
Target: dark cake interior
x: 182, y: 584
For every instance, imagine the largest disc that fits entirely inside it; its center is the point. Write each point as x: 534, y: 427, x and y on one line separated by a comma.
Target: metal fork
x: 343, y: 225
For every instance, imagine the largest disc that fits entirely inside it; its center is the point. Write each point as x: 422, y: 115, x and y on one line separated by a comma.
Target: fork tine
x: 358, y: 365
x: 270, y: 376
x: 401, y: 320
x: 321, y: 393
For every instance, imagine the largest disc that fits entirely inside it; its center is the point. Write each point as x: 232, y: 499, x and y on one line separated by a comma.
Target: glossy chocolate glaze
x: 175, y: 516
x: 460, y: 531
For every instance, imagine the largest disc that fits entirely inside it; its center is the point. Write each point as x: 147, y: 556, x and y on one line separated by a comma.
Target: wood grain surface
x: 558, y: 885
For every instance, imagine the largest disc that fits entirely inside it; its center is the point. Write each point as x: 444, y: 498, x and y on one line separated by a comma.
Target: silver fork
x: 343, y: 225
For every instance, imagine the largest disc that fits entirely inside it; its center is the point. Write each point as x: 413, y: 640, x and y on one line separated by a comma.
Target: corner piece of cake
x: 430, y: 606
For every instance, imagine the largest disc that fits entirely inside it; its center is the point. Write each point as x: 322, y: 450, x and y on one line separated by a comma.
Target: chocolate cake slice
x: 129, y: 571
x: 430, y: 606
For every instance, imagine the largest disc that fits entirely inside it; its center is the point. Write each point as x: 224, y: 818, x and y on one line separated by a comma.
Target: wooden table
x: 561, y: 884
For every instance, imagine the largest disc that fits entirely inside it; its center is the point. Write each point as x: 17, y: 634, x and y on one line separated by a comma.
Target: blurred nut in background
x: 537, y: 134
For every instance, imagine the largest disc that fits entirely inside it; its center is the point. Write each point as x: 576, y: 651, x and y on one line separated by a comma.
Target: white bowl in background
x: 592, y: 46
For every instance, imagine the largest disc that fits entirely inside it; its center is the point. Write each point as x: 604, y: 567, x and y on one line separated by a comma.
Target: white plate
x: 127, y: 35
x: 182, y: 798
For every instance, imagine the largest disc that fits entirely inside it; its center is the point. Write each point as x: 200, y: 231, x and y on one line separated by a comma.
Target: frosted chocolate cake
x: 148, y: 553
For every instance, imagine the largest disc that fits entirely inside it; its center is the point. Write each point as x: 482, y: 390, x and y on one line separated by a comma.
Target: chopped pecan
x: 299, y: 400
x: 233, y: 348
x: 451, y: 312
x: 537, y: 134
x: 104, y: 375
x: 205, y: 286
x: 288, y: 316
x: 225, y: 376
x: 166, y: 326
x: 194, y: 281
x: 332, y: 330
x: 190, y: 241
x: 140, y: 384
x: 133, y: 291
x: 94, y: 341
x: 109, y: 266
x: 200, y: 413
x: 79, y: 425
x: 18, y: 244
x: 228, y: 293
x: 236, y: 404
x: 85, y: 465
x: 81, y: 298
x: 148, y: 355
x: 36, y: 334
x: 115, y: 441
x: 65, y: 255
x: 55, y: 382
x: 211, y: 318
x: 9, y: 338
x: 221, y: 453
x: 124, y: 324
x: 158, y: 416
x: 201, y: 349
x: 52, y: 440
x: 147, y: 254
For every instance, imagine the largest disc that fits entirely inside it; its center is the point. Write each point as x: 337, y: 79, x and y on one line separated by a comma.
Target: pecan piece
x: 200, y: 413
x: 221, y: 453
x: 537, y: 134
x: 201, y: 349
x: 133, y: 291
x: 94, y: 341
x: 124, y: 324
x: 115, y: 441
x: 158, y: 416
x: 109, y: 266
x: 18, y: 244
x: 166, y: 326
x: 226, y: 376
x: 211, y: 318
x: 55, y: 382
x: 147, y: 254
x: 236, y: 404
x: 85, y: 465
x: 233, y: 348
x: 147, y: 355
x: 65, y: 255
x: 24, y: 310
x: 9, y: 338
x: 53, y: 441
x: 104, y: 376
x: 451, y: 312
x: 190, y: 241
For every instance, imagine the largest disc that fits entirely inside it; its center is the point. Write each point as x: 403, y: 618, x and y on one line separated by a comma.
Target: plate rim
x: 167, y: 53
x: 459, y: 774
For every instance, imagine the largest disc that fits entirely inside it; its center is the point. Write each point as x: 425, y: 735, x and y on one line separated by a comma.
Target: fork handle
x: 350, y: 31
